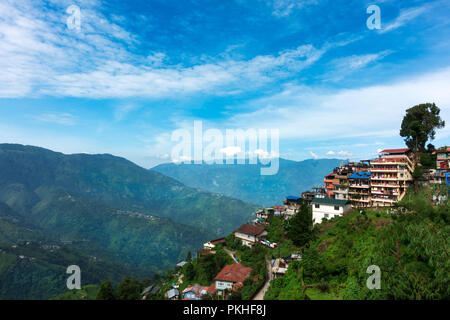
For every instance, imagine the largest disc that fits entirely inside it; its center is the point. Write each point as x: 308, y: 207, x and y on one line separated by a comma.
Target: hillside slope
x: 28, y: 172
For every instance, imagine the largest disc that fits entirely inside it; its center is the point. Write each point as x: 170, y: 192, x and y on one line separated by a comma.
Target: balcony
x: 359, y: 186
x: 385, y: 185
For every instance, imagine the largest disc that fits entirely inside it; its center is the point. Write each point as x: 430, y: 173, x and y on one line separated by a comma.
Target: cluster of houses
x: 380, y: 182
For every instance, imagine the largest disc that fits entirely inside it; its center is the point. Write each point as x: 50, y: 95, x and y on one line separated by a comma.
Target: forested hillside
x: 411, y: 248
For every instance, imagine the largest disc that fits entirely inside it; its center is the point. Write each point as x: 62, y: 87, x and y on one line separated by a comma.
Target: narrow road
x: 262, y: 292
x: 231, y: 254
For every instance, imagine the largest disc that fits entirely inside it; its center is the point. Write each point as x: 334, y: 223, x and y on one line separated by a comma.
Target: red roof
x: 250, y: 229
x: 212, y: 288
x: 394, y: 150
x: 233, y: 273
x: 216, y: 241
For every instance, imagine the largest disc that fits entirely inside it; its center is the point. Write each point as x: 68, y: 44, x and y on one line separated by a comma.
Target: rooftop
x: 395, y: 150
x: 330, y: 201
x: 233, y: 273
x: 360, y: 175
x: 250, y: 229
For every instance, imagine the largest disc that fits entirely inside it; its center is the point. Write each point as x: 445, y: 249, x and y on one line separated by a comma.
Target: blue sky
x: 137, y: 70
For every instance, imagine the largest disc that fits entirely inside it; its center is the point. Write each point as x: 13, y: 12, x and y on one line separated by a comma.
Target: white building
x: 250, y: 234
x: 328, y: 208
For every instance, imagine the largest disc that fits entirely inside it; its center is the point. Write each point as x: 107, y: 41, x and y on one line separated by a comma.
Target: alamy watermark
x: 74, y: 20
x: 374, y: 281
x: 374, y: 21
x: 74, y: 281
x: 236, y: 146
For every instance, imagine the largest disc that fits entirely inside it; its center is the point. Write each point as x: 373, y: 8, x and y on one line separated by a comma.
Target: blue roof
x: 360, y: 175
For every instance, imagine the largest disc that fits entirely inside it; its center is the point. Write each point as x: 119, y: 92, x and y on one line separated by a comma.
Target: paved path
x: 262, y: 292
x: 231, y: 254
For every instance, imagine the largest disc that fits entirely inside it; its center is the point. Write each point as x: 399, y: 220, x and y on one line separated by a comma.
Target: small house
x: 250, y: 234
x: 232, y: 277
x: 328, y: 208
x: 173, y: 294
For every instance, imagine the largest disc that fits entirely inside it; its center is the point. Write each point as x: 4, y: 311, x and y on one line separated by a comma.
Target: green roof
x: 329, y: 201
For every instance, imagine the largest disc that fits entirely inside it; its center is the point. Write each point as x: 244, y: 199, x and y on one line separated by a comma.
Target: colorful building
x: 391, y: 176
x: 359, y: 189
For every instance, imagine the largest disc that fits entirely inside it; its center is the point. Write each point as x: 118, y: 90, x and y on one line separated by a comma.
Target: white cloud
x: 123, y: 110
x: 308, y: 114
x: 331, y: 153
x: 283, y: 8
x: 41, y: 56
x: 65, y: 119
x: 404, y: 17
x: 342, y: 67
x: 315, y: 156
x: 230, y: 151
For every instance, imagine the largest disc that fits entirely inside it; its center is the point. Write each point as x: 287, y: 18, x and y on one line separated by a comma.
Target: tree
x: 189, y: 256
x: 419, y: 125
x: 106, y: 291
x: 129, y: 289
x: 190, y: 272
x: 299, y: 227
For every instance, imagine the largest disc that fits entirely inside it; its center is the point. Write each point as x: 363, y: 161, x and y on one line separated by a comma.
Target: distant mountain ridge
x: 245, y: 182
x: 108, y: 207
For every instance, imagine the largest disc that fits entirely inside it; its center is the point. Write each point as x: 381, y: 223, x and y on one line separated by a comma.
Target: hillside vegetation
x: 410, y: 248
x: 97, y: 206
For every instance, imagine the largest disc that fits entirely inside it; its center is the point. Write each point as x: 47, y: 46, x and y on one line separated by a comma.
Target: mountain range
x: 244, y: 181
x: 101, y: 209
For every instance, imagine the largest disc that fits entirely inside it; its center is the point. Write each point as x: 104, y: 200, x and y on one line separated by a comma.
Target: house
x: 250, y: 234
x: 318, y: 192
x: 329, y: 182
x: 391, y: 176
x: 279, y: 267
x: 212, y: 244
x: 196, y: 291
x: 442, y: 158
x: 359, y: 189
x: 442, y: 164
x: 262, y: 215
x: 152, y: 289
x: 291, y: 203
x: 340, y: 183
x: 278, y: 210
x: 232, y: 277
x: 328, y: 208
x: 172, y: 294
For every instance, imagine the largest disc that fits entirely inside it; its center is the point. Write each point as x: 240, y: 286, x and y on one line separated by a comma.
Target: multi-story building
x: 329, y: 182
x: 359, y: 189
x: 443, y: 158
x: 341, y: 182
x: 442, y: 165
x: 391, y: 176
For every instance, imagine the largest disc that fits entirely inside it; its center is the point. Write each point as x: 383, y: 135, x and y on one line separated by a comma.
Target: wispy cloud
x: 65, y: 119
x: 283, y: 8
x: 342, y: 67
x: 404, y: 17
x: 41, y: 56
x: 308, y: 114
x: 315, y: 156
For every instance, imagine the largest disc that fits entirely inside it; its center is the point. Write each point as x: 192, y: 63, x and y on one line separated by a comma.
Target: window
x: 336, y: 207
x: 317, y: 206
x: 325, y: 215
